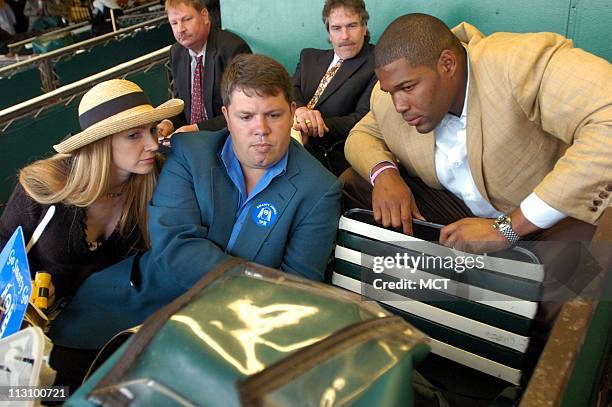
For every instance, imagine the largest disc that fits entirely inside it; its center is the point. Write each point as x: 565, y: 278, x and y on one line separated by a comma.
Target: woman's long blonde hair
x: 81, y: 178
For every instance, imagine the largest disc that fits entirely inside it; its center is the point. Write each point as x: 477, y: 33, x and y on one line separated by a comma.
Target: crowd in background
x: 21, y: 19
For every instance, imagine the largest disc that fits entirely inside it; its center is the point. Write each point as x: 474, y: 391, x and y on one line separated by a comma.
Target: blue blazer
x: 191, y: 217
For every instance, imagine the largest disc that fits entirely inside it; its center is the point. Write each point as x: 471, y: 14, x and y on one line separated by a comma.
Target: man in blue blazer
x: 251, y: 192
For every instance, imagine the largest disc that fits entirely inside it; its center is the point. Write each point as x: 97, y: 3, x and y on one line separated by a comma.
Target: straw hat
x: 114, y: 106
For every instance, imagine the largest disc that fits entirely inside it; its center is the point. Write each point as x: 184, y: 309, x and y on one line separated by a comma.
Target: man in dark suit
x: 332, y: 87
x: 198, y: 39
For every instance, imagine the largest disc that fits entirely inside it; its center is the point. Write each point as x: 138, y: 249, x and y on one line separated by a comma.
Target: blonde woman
x: 100, y: 183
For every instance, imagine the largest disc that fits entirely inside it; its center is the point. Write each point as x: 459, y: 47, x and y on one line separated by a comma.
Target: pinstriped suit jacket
x: 539, y: 119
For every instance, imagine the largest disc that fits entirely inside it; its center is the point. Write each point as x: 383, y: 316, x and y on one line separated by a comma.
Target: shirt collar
x: 448, y: 117
x: 463, y: 117
x: 232, y: 166
x: 193, y: 54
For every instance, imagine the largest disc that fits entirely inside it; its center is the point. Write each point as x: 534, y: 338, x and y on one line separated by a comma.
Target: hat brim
x: 133, y: 118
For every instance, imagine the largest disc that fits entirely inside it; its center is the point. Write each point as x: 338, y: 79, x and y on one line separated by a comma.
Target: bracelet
x: 378, y: 171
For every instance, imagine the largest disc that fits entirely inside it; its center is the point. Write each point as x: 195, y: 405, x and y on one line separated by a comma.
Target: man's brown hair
x: 420, y: 38
x: 199, y: 5
x: 255, y: 73
x: 358, y: 7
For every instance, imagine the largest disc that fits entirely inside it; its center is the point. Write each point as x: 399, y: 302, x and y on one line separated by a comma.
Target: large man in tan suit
x: 512, y: 133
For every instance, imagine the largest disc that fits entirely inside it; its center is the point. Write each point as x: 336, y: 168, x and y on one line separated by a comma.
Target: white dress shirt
x: 453, y: 172
x: 193, y: 62
x: 333, y: 62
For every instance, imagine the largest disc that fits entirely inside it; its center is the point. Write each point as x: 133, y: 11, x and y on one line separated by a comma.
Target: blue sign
x: 264, y: 214
x: 15, y: 284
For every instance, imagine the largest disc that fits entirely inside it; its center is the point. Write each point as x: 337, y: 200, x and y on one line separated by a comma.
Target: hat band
x: 112, y: 107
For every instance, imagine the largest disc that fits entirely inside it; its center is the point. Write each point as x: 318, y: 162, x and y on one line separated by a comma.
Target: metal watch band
x: 504, y: 225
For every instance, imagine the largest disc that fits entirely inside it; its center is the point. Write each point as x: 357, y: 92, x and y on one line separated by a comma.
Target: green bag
x: 249, y: 335
x: 50, y: 42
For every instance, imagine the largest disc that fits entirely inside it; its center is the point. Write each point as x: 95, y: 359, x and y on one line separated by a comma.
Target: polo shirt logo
x: 264, y: 214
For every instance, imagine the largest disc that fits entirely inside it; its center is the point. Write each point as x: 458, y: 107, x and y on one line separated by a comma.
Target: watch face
x: 504, y: 225
x: 503, y: 220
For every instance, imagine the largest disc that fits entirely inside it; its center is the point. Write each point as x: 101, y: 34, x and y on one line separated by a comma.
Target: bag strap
x: 254, y: 388
x: 153, y: 324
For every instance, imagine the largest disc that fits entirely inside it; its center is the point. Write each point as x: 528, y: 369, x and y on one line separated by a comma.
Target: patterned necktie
x: 198, y: 112
x: 323, y: 84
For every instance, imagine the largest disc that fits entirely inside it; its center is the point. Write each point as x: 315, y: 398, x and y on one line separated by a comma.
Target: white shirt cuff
x: 539, y: 212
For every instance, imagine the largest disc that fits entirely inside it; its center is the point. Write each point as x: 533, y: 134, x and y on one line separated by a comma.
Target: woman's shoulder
x: 21, y: 199
x: 21, y: 210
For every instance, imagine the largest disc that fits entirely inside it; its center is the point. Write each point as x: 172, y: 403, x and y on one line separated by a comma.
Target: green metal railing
x: 33, y: 77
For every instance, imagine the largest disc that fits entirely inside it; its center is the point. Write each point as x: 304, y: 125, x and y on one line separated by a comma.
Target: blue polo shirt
x: 232, y: 166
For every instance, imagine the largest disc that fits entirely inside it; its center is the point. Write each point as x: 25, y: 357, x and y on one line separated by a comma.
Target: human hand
x: 165, y: 141
x: 187, y: 128
x: 473, y: 235
x: 43, y: 290
x: 51, y: 300
x: 309, y: 122
x: 392, y: 201
x: 164, y: 132
x: 165, y: 128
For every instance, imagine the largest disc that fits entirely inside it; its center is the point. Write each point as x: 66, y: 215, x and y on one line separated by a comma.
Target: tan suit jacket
x: 539, y: 120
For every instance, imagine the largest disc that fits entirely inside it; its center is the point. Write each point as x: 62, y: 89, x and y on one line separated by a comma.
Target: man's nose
x: 344, y: 33
x: 401, y: 104
x: 262, y: 126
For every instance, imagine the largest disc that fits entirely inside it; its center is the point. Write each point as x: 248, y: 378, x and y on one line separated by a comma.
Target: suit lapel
x: 225, y: 200
x: 209, y: 71
x: 474, y: 137
x: 347, y: 69
x: 278, y: 194
x: 315, y: 74
x: 184, y: 83
x: 422, y: 145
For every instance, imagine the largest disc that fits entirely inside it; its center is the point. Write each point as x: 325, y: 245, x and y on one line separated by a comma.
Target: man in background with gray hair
x: 333, y: 87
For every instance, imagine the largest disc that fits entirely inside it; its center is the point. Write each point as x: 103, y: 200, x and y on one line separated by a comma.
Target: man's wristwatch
x: 503, y: 224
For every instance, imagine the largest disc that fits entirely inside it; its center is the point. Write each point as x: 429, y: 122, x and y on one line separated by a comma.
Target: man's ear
x: 205, y: 14
x: 448, y: 62
x: 225, y: 113
x: 293, y: 106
